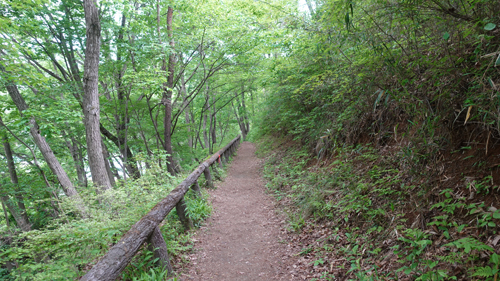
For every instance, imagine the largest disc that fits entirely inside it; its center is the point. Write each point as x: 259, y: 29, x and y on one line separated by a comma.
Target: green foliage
x: 67, y: 245
x: 197, y: 207
x: 375, y: 94
x: 364, y: 194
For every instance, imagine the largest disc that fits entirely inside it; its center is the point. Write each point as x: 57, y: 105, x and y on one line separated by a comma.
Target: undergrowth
x: 68, y: 247
x: 379, y: 217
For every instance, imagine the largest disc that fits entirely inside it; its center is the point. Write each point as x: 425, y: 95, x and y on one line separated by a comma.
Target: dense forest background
x: 379, y: 120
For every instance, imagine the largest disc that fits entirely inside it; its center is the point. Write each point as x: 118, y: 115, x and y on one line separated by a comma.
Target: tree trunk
x: 245, y: 114
x: 107, y: 160
x: 187, y: 110
x: 210, y: 142
x: 196, y: 189
x: 122, y: 115
x: 183, y: 216
x: 18, y: 212
x: 110, y: 266
x: 130, y: 164
x: 240, y: 118
x: 43, y: 146
x: 91, y: 107
x: 205, y: 135
x: 213, y: 123
x: 78, y: 161
x: 205, y: 117
x: 167, y: 98
x: 159, y: 247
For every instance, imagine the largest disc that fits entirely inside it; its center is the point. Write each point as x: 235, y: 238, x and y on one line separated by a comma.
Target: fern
x: 469, y: 244
x: 485, y: 271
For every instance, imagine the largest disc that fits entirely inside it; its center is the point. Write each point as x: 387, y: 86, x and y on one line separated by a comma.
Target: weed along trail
x: 241, y: 239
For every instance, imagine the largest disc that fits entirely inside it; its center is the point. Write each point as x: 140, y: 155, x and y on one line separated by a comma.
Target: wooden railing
x: 147, y: 228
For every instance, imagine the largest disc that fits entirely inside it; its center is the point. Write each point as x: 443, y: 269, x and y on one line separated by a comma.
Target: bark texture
x: 196, y: 189
x: 158, y: 246
x: 167, y: 98
x: 182, y: 214
x: 91, y: 107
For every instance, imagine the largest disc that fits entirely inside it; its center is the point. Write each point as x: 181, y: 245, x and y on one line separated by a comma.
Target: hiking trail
x: 243, y: 239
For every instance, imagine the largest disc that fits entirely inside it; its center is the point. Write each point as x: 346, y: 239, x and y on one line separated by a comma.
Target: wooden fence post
x: 111, y: 265
x: 208, y: 177
x: 182, y: 213
x: 196, y: 188
x: 157, y: 245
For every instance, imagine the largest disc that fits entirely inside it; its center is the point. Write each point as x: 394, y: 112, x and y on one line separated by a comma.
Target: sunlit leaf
x: 490, y: 26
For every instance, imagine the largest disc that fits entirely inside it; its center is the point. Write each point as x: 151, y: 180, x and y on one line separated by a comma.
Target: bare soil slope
x: 241, y: 241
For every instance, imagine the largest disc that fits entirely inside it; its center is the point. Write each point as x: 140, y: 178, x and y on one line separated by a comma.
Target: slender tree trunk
x: 155, y: 125
x: 78, y: 161
x: 107, y: 160
x: 91, y: 107
x: 245, y: 113
x: 130, y: 164
x: 81, y: 164
x: 205, y: 118
x: 51, y: 160
x: 122, y: 116
x: 43, y: 146
x: 223, y: 130
x: 19, y: 211
x: 187, y: 111
x: 205, y: 135
x: 16, y: 213
x: 239, y: 117
x: 114, y: 170
x: 210, y: 142
x: 167, y: 98
x: 214, y: 123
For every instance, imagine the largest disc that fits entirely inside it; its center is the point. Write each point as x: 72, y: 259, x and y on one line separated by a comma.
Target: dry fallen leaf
x: 468, y: 114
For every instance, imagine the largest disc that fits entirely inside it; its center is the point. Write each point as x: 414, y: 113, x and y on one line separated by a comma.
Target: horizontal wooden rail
x: 119, y: 256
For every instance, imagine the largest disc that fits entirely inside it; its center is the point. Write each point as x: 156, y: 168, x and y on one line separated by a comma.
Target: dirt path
x: 241, y: 241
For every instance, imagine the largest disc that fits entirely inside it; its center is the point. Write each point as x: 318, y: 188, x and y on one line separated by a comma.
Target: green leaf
x: 498, y: 61
x: 433, y: 264
x: 495, y: 258
x: 446, y: 36
x: 483, y: 271
x: 496, y: 214
x: 490, y: 26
